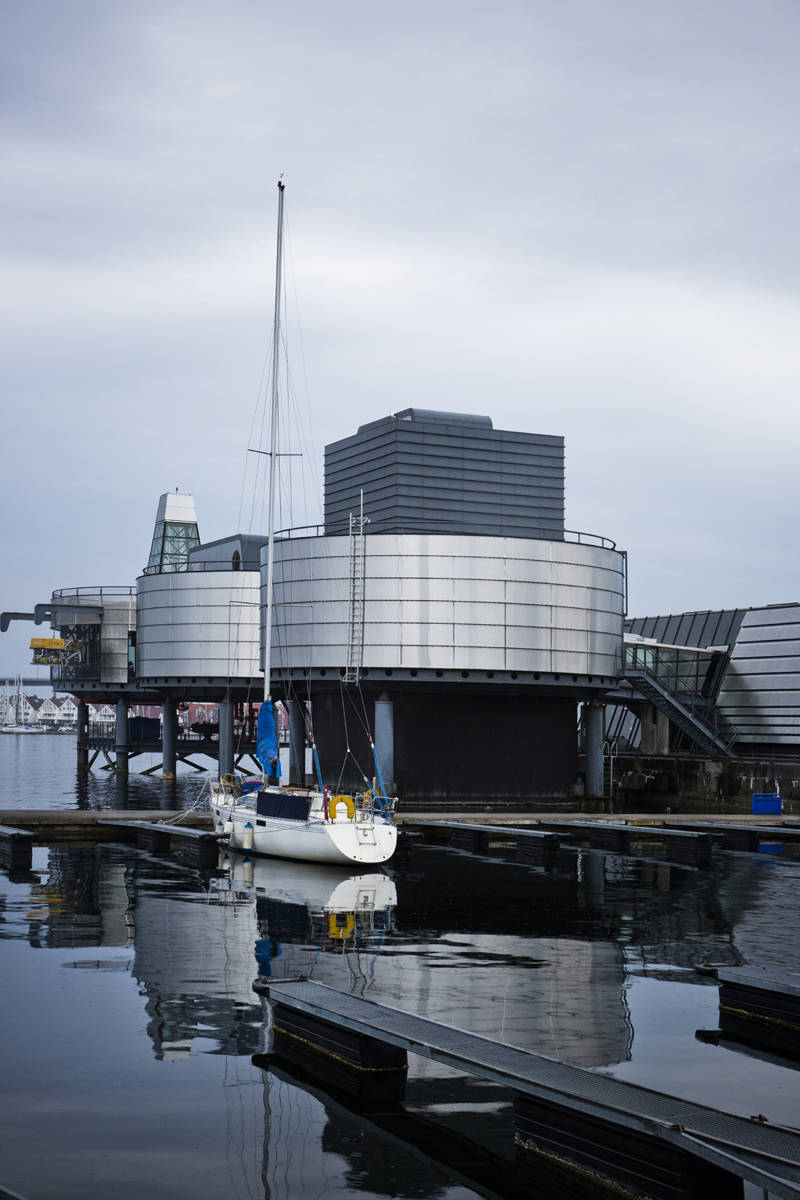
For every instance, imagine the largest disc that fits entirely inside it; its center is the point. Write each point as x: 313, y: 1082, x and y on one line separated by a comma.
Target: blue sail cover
x: 267, y: 741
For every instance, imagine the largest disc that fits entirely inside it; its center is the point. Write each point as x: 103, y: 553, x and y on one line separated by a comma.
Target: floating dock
x: 94, y: 824
x: 533, y: 845
x: 186, y: 835
x: 16, y: 847
x: 676, y: 845
x: 740, y: 837
x: 540, y: 845
x: 197, y: 847
x: 761, y: 1008
x: 642, y: 1141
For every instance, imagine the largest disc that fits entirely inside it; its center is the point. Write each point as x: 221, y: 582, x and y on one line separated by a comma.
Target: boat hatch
x: 278, y: 804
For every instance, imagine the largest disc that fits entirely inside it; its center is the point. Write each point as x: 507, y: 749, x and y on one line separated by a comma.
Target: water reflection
x: 591, y: 963
x: 303, y: 911
x: 196, y: 962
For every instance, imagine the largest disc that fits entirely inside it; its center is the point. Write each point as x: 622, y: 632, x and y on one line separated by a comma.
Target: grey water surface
x: 129, y: 1023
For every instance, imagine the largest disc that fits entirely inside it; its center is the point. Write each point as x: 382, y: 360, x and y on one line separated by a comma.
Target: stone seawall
x: 655, y: 784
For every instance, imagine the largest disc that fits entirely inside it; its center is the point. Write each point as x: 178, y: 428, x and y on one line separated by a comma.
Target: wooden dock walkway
x: 627, y: 1133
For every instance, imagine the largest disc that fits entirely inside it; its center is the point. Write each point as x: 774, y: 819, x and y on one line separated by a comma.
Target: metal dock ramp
x: 628, y: 1130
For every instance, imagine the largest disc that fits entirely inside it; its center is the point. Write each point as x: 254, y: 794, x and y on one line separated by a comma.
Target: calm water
x: 130, y: 1025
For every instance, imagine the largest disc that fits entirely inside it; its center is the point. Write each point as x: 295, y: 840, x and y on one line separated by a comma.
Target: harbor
x: 400, y: 632
x: 135, y: 968
x: 362, y: 918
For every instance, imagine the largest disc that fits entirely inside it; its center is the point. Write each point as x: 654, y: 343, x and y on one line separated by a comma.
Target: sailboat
x: 18, y: 725
x: 309, y: 824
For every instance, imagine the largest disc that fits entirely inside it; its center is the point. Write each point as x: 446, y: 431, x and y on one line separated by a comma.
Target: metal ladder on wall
x: 355, y: 637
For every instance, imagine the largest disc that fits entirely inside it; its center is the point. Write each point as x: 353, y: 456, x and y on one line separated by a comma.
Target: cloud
x: 577, y: 220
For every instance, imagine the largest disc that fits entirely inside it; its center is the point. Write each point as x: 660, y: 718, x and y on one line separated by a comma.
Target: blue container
x: 767, y: 802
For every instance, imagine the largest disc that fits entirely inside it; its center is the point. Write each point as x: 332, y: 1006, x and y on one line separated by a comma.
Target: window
x: 172, y: 541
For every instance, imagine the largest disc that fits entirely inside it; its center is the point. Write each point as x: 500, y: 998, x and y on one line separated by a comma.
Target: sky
x: 579, y: 219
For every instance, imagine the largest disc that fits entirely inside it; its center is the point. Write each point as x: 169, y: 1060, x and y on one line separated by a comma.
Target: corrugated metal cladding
x: 690, y: 629
x: 438, y: 601
x: 431, y: 472
x: 760, y: 693
x: 198, y: 623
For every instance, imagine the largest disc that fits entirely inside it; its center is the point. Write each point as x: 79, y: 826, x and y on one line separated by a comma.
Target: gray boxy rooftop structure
x: 438, y: 472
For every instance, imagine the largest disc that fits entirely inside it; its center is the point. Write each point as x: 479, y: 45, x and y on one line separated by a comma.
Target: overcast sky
x: 578, y: 218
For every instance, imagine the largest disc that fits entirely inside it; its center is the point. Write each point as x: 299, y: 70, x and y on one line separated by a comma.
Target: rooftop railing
x: 100, y: 590
x: 339, y: 528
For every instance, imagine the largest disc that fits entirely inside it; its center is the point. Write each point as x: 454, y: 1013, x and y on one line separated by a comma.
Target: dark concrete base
x: 451, y: 747
x: 691, y: 784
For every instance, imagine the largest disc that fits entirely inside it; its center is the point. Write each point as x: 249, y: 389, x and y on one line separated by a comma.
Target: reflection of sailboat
x: 297, y: 823
x: 320, y: 888
x: 304, y: 911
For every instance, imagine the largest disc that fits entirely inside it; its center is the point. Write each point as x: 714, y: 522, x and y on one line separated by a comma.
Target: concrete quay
x: 97, y: 824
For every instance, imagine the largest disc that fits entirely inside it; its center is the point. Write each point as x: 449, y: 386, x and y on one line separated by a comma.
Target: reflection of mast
x: 267, y: 1126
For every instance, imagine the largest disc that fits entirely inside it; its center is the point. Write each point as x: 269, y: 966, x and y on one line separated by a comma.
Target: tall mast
x: 273, y: 450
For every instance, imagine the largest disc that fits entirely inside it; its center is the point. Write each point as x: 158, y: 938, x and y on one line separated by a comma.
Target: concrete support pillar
x: 593, y: 747
x: 121, y: 738
x: 169, y: 738
x: 225, y: 738
x: 83, y: 735
x: 297, y: 743
x: 121, y: 792
x: 655, y: 730
x: 384, y: 739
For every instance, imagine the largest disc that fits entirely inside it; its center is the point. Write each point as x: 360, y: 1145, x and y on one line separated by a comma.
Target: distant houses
x: 61, y: 712
x: 52, y: 712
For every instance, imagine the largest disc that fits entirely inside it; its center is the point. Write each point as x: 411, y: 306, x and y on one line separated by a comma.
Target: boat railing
x: 369, y: 805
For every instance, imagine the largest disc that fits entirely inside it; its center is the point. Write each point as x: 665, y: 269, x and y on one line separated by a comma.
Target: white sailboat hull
x: 316, y: 839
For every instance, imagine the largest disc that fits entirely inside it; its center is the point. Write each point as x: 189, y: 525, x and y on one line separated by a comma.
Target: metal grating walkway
x: 767, y: 1155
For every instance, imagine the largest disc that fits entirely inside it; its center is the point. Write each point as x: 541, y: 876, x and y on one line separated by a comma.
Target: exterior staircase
x: 696, y: 717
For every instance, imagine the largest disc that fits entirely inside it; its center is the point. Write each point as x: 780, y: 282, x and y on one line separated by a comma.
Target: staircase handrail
x: 700, y: 711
